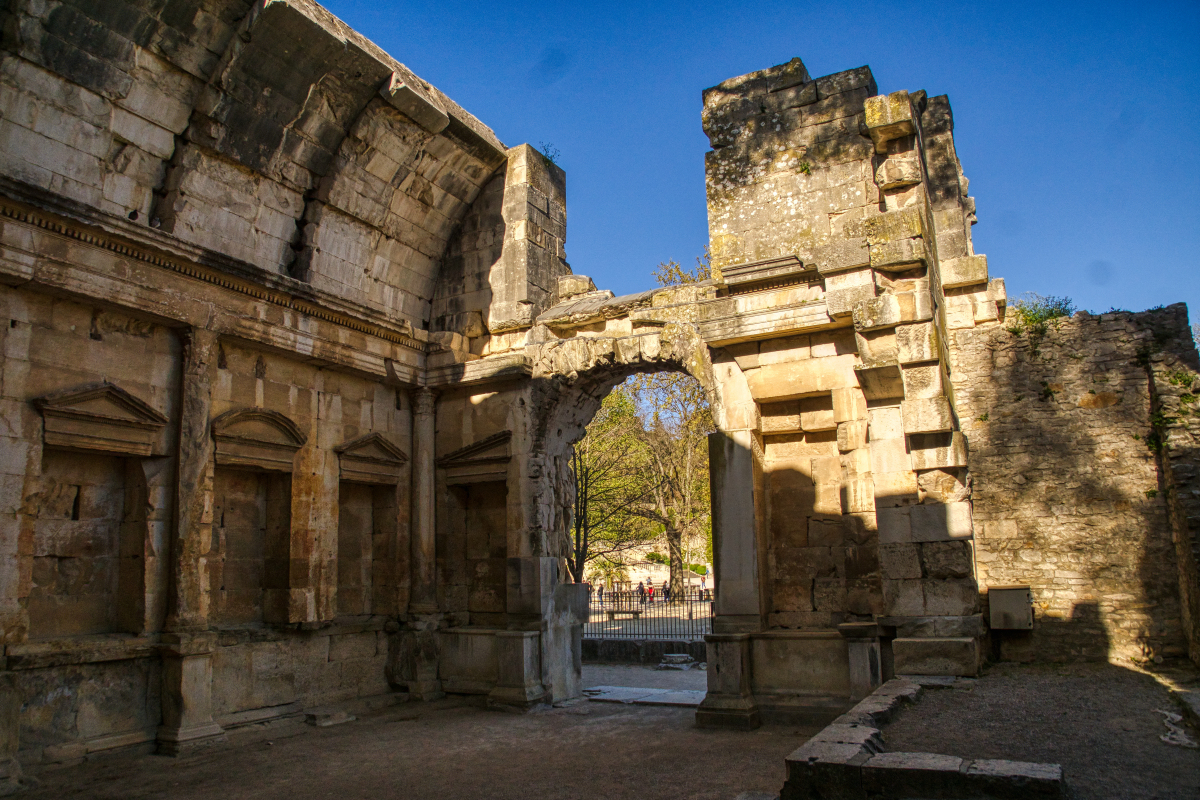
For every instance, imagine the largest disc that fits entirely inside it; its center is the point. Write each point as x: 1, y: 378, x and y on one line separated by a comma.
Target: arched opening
x: 641, y: 524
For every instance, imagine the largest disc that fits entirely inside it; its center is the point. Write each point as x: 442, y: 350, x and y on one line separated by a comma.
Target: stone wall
x: 1068, y: 489
x: 292, y: 362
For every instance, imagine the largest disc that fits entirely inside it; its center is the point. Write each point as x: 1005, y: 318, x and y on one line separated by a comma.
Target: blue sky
x: 1077, y: 124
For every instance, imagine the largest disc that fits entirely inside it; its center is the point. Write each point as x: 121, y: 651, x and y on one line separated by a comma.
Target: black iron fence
x: 634, y: 615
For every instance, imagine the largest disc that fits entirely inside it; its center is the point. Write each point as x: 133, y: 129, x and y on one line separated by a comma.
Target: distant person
x: 666, y: 592
x: 650, y: 591
x: 641, y: 592
x: 600, y: 593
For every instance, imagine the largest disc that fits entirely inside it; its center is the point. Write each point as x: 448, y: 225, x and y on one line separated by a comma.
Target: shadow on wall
x: 1067, y: 490
x: 1084, y: 622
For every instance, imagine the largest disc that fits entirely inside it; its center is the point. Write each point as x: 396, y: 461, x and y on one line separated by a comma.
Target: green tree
x: 674, y: 423
x: 608, y: 465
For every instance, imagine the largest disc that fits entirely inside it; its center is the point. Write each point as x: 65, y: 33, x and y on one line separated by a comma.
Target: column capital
x: 423, y: 401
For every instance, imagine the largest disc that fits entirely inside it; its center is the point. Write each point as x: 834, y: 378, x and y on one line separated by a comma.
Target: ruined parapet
x: 848, y: 210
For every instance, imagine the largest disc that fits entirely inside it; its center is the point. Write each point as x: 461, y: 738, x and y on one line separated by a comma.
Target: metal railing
x: 630, y: 615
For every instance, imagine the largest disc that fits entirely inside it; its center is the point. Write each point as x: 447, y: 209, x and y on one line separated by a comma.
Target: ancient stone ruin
x: 293, y: 361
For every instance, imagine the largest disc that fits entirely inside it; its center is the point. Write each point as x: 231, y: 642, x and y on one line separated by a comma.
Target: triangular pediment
x: 492, y: 450
x: 101, y: 402
x: 372, y: 447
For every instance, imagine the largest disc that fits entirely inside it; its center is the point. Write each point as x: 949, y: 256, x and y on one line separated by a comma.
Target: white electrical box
x: 1010, y: 608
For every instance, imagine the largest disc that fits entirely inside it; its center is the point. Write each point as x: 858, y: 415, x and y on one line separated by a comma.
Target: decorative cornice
x: 81, y: 232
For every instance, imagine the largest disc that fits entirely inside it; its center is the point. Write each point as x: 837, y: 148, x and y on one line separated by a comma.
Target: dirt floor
x: 457, y: 749
x: 1098, y: 720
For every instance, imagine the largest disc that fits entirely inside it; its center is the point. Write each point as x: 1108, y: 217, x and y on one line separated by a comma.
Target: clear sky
x: 1077, y: 124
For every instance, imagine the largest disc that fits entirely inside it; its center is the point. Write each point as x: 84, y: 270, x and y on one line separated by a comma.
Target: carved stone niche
x: 101, y: 417
x: 486, y: 460
x: 371, y: 459
x: 256, y: 438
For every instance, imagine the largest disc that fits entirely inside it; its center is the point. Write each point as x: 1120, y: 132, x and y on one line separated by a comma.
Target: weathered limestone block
x: 894, y: 226
x: 569, y: 286
x: 949, y: 656
x: 895, y: 524
x: 877, y: 348
x: 876, y: 313
x: 927, y: 415
x: 852, y: 436
x: 779, y: 418
x: 917, y: 342
x: 941, y: 560
x: 965, y: 271
x: 922, y: 381
x: 898, y: 171
x: 858, y: 495
x: 940, y: 522
x: 816, y: 414
x: 895, y: 489
x: 843, y: 254
x: 784, y: 381
x: 845, y: 289
x: 849, y: 404
x: 880, y: 381
x: 898, y: 255
x: 934, y: 451
x: 997, y: 292
x: 900, y: 560
x: 888, y: 117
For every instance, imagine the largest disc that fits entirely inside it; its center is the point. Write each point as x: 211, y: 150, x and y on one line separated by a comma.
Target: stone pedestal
x: 730, y: 701
x: 424, y: 681
x: 10, y: 730
x: 187, y: 693
x: 519, y: 671
x: 866, y: 658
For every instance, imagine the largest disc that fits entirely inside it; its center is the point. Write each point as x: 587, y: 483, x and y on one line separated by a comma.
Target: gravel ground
x: 1099, y: 721
x: 457, y: 749
x: 643, y: 677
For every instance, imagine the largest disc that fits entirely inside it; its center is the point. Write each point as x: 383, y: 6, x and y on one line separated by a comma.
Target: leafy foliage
x: 1033, y: 312
x: 671, y: 273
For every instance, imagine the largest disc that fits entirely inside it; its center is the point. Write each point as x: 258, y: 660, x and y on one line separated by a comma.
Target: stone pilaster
x: 735, y: 541
x: 192, y: 535
x: 423, y: 599
x: 187, y: 693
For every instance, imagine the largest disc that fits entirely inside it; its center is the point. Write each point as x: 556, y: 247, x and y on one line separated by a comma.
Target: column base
x: 425, y: 691
x: 175, y: 741
x: 504, y: 698
x: 740, y: 714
